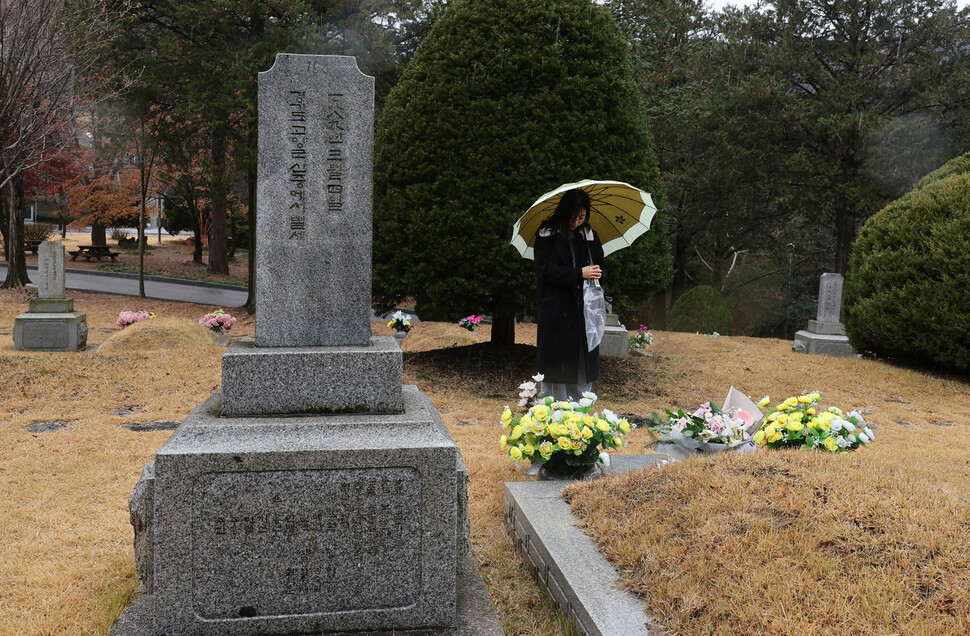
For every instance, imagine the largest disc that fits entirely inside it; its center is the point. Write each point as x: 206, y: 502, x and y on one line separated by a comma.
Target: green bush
x: 907, y: 290
x: 39, y: 231
x: 503, y: 101
x: 702, y: 310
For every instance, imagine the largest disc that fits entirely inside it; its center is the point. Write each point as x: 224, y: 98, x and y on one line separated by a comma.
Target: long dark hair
x: 570, y: 203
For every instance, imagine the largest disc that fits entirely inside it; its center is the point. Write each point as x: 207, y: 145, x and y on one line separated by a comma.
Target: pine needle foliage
x: 908, y: 287
x: 503, y: 101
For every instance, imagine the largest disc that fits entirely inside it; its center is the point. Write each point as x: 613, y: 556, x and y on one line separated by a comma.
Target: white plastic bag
x: 594, y: 309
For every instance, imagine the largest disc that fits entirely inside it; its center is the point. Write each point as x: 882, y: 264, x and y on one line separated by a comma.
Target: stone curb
x: 584, y: 585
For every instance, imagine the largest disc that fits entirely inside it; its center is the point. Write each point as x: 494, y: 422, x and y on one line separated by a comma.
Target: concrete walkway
x: 158, y: 287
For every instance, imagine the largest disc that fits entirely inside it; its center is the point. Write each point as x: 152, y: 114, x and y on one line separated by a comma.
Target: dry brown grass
x: 873, y: 542
x: 66, y: 565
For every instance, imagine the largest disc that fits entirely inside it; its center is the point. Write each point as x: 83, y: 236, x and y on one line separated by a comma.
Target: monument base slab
x: 320, y: 380
x: 823, y: 344
x: 51, y: 305
x: 826, y: 328
x: 615, y: 343
x: 50, y: 331
x: 308, y: 523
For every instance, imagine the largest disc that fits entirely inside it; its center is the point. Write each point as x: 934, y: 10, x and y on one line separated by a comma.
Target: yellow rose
x: 782, y: 407
x: 825, y: 425
x: 795, y: 426
x: 587, y: 420
x: 575, y: 433
x: 805, y: 399
x: 811, y: 411
x: 545, y: 449
x: 602, y: 426
x: 390, y: 324
x: 759, y: 437
x: 836, y: 410
x: 764, y: 401
x: 503, y: 441
x: 577, y: 445
x: 795, y: 416
x: 541, y: 412
x: 506, y: 416
x: 617, y: 442
x: 587, y: 433
x: 526, y: 420
x: 530, y: 450
x: 624, y: 426
x: 565, y: 443
x: 515, y: 453
x: 830, y: 444
x: 516, y: 432
x: 782, y: 419
x: 776, y: 437
x: 770, y: 430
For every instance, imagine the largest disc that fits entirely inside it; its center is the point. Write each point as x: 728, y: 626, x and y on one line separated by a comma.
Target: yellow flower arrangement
x: 563, y: 432
x: 801, y: 422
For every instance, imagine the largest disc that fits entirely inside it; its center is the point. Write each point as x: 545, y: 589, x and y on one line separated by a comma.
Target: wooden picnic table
x: 87, y: 252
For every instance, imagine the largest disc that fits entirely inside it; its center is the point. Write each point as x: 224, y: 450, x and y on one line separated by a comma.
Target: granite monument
x: 51, y: 323
x: 314, y: 493
x: 825, y: 335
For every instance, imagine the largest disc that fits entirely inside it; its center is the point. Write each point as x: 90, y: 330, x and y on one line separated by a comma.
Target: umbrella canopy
x: 620, y: 214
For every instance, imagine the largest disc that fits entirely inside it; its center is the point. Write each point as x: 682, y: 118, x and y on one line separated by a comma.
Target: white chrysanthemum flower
x: 589, y: 395
x: 610, y: 416
x: 835, y: 425
x: 857, y: 415
x: 557, y: 416
x: 848, y: 426
x: 584, y: 402
x: 842, y: 442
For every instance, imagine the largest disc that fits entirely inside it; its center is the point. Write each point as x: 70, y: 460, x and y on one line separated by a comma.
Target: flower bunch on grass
x: 565, y: 430
x: 709, y: 424
x: 400, y: 321
x: 217, y: 321
x: 641, y: 338
x: 470, y: 322
x: 126, y: 318
x: 801, y: 422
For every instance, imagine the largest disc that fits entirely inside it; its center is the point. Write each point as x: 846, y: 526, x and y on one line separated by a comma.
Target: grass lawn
x: 779, y: 543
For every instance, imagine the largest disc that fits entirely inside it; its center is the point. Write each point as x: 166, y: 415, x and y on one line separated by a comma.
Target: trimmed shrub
x: 907, y: 289
x: 39, y: 231
x: 702, y: 310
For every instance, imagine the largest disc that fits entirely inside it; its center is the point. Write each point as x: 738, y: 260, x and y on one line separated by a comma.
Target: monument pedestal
x: 61, y: 331
x: 347, y: 379
x: 616, y: 339
x: 308, y: 523
x: 823, y: 344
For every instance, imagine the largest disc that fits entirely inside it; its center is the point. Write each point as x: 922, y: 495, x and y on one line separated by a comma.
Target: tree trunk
x: 98, y: 234
x: 251, y: 219
x: 197, y: 233
x: 218, y: 259
x: 844, y: 236
x: 4, y: 223
x: 17, y: 261
x: 141, y: 246
x: 503, y: 329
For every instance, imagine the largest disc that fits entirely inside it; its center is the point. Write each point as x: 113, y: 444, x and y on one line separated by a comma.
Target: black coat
x: 559, y: 307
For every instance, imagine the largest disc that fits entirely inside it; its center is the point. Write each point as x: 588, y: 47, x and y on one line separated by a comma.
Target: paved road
x: 155, y: 287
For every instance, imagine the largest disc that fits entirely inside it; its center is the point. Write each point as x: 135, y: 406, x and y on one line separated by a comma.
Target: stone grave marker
x: 51, y: 323
x: 328, y: 498
x: 826, y: 335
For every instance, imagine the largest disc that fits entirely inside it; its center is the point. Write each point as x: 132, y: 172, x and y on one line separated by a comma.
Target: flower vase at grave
x: 556, y: 469
x: 400, y: 334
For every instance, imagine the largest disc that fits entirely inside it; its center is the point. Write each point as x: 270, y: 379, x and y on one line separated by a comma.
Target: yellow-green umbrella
x: 620, y: 214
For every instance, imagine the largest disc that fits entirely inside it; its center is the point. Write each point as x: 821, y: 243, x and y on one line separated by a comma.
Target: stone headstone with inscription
x: 51, y: 323
x: 616, y: 340
x: 825, y: 335
x: 343, y: 509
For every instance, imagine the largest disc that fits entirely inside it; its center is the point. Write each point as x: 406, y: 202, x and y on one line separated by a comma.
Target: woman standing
x: 567, y: 252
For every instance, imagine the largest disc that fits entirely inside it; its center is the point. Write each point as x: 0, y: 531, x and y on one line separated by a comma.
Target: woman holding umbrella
x: 567, y: 252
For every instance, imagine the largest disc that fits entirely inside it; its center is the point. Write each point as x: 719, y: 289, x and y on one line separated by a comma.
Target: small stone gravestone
x: 825, y: 335
x: 616, y: 339
x: 51, y: 324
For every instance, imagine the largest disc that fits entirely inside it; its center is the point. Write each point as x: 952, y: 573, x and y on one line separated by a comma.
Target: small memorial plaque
x: 41, y: 334
x: 285, y: 543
